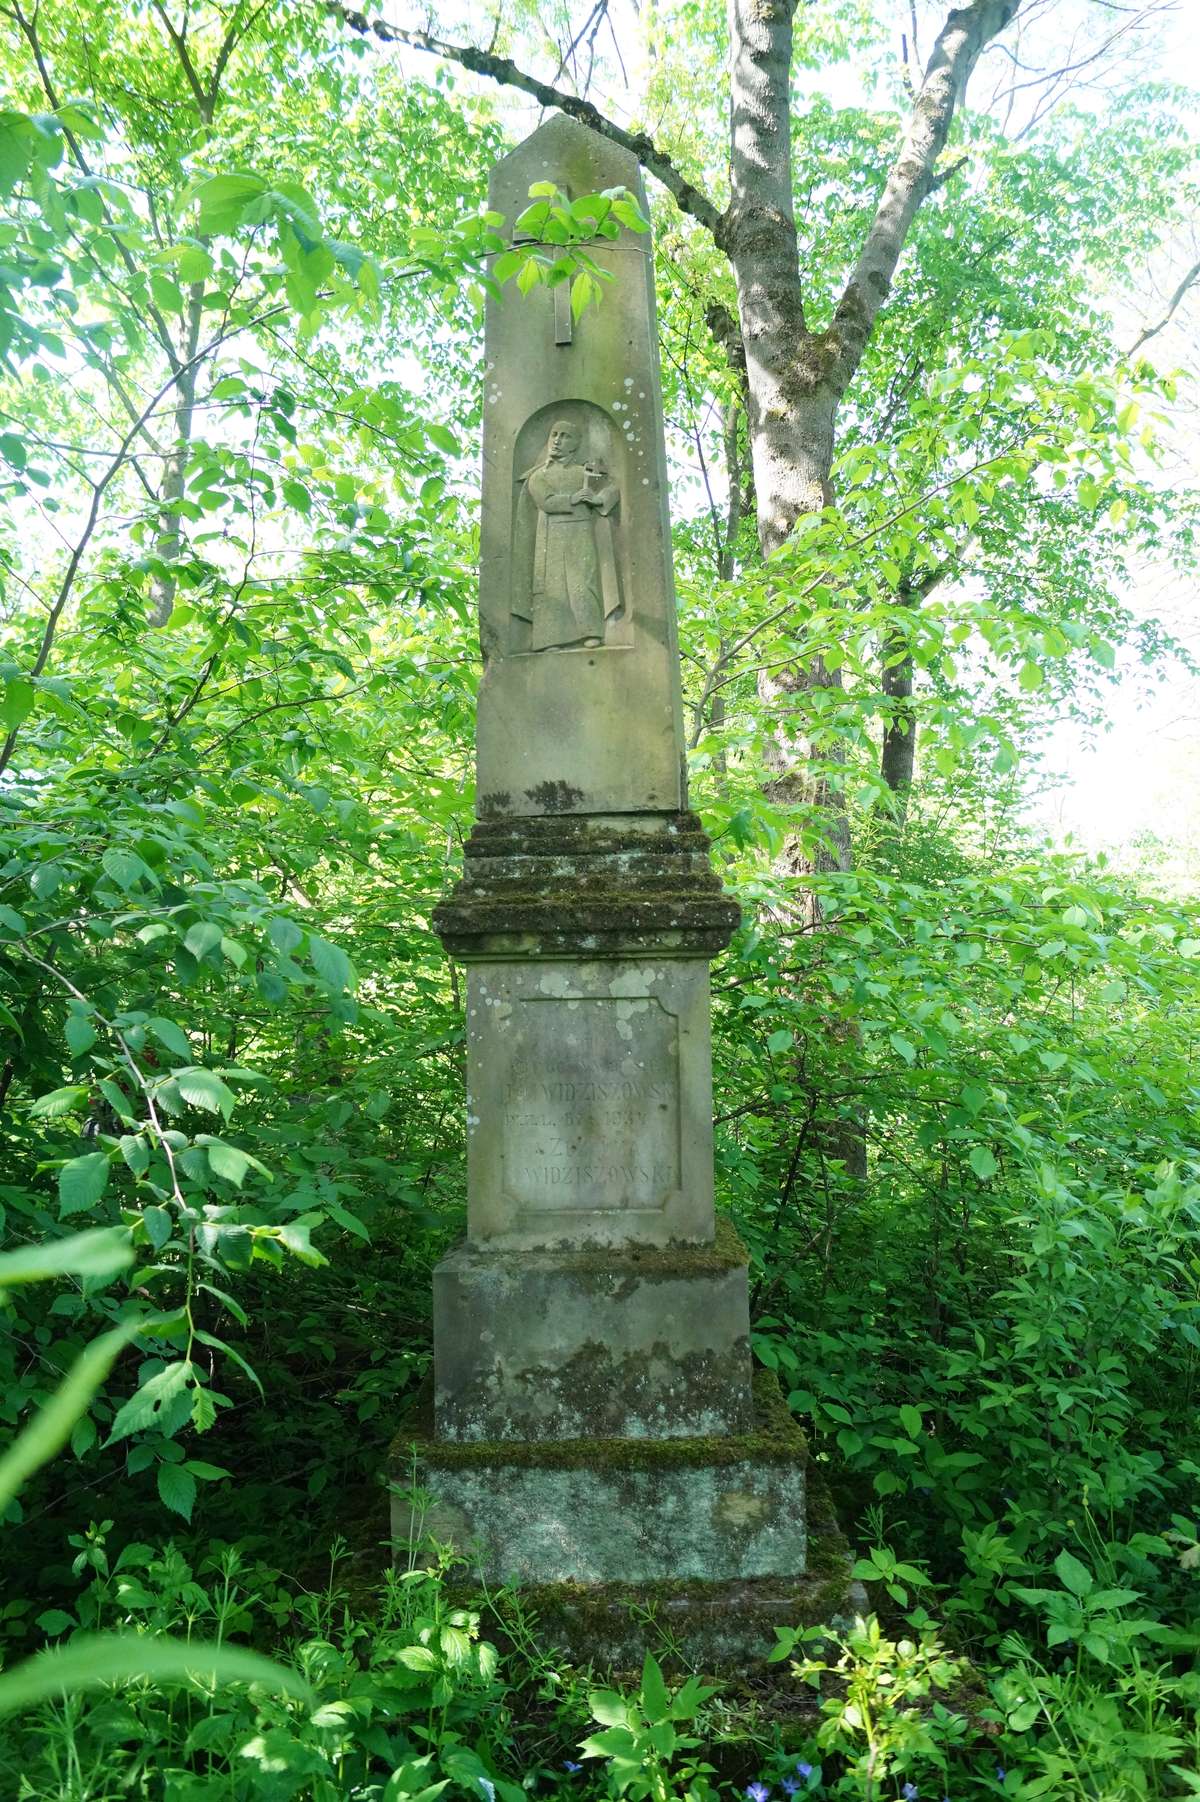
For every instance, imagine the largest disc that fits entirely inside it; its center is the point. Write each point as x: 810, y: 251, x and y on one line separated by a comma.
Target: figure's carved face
x: 563, y: 441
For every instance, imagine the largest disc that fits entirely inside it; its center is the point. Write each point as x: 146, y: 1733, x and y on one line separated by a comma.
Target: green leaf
x: 204, y: 1409
x: 195, y: 265
x: 1072, y: 1574
x: 783, y: 1040
x: 295, y: 1235
x: 655, y: 1699
x: 330, y: 963
x: 283, y: 933
x: 82, y: 1182
x: 102, y: 1251
x: 16, y: 702
x: 151, y: 1400
x: 910, y: 1420
x: 202, y: 938
x: 227, y: 1161
x: 92, y: 1660
x: 1031, y: 677
x: 204, y: 1089
x: 171, y: 1036
x: 126, y: 868
x: 51, y: 1426
x: 55, y: 1621
x: 903, y: 1047
x: 52, y: 1106
x: 80, y: 1034
x: 982, y: 1162
x: 177, y: 1489
x: 223, y: 199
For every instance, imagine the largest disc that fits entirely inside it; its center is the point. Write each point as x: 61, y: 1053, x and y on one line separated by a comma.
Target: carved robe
x: 574, y: 587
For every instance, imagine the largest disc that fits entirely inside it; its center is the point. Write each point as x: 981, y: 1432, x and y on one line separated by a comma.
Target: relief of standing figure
x: 574, y: 588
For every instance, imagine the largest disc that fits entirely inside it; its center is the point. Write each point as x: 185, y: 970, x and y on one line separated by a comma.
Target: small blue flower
x: 570, y: 1765
x: 1001, y: 1773
x: 757, y: 1792
x: 802, y: 1769
x: 790, y: 1785
x: 910, y: 1792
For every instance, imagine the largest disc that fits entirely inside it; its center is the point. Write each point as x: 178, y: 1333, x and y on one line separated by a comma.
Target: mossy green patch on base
x: 713, y: 1626
x: 576, y: 884
x: 726, y: 1252
x: 774, y: 1439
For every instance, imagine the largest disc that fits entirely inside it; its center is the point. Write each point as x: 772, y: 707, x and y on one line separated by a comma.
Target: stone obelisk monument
x: 594, y: 1420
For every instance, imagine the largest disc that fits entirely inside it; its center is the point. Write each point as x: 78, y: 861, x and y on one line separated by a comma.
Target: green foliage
x: 239, y: 386
x: 646, y: 1756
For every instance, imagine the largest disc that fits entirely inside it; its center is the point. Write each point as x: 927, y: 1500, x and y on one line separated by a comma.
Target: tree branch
x: 688, y: 198
x: 1151, y: 331
x: 963, y: 38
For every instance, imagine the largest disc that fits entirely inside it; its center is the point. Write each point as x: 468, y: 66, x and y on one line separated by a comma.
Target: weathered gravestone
x: 594, y: 1417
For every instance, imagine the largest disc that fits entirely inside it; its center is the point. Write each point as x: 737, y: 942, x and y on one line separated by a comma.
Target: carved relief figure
x: 574, y: 587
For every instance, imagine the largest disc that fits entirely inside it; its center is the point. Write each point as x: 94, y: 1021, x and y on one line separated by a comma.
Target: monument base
x: 716, y: 1628
x: 636, y: 1344
x: 604, y: 1511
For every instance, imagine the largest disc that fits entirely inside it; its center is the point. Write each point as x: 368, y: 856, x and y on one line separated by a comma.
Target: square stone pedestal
x: 596, y: 1511
x: 638, y: 1344
x: 620, y: 1545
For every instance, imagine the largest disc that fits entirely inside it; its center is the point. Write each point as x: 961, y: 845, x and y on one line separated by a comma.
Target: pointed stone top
x: 570, y: 154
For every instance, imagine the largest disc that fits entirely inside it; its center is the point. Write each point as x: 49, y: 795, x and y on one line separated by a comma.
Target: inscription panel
x: 590, y: 1105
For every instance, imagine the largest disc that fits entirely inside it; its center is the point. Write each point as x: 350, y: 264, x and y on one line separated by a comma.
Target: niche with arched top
x: 570, y: 553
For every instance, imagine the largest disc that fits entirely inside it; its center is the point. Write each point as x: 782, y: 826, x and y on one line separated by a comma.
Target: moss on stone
x: 715, y: 1625
x: 726, y: 1252
x: 774, y: 1439
x: 577, y: 882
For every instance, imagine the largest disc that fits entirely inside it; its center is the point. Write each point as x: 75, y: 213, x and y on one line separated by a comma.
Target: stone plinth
x: 592, y: 1345
x: 597, y: 1511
